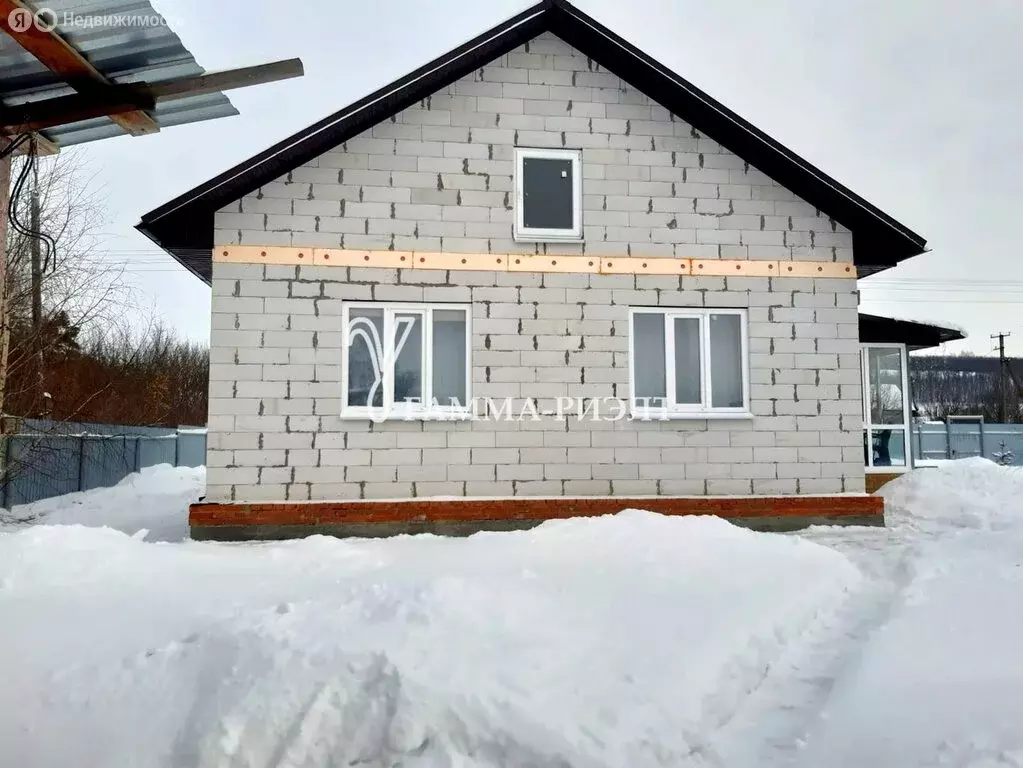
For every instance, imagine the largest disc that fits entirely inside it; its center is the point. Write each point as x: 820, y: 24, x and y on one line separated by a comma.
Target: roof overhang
x: 184, y: 226
x: 78, y: 72
x: 875, y: 329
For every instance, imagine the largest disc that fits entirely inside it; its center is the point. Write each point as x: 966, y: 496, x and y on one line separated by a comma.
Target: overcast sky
x: 914, y: 104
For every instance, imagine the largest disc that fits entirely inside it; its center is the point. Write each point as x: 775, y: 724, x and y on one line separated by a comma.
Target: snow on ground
x: 154, y: 500
x: 633, y: 640
x: 619, y: 641
x: 965, y: 493
x: 939, y: 682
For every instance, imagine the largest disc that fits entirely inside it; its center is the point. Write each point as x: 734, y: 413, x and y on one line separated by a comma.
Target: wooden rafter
x: 116, y: 100
x: 68, y: 63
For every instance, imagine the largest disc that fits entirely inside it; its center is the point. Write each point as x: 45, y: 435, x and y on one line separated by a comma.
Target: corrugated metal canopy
x: 124, y: 52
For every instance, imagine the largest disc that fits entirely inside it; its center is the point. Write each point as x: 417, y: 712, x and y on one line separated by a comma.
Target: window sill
x: 638, y: 415
x: 528, y: 238
x: 406, y: 416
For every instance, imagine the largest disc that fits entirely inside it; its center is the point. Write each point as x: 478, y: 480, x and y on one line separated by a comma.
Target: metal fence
x: 40, y: 458
x: 968, y: 436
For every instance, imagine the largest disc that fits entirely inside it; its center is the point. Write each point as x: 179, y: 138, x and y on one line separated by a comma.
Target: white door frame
x: 868, y: 427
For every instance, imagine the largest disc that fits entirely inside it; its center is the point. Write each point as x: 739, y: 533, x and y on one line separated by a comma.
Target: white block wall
x: 439, y: 177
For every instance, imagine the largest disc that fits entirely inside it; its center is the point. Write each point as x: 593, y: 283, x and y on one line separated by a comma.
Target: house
x: 541, y: 276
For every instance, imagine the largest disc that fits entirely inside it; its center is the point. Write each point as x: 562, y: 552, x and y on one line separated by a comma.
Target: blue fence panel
x: 106, y: 460
x: 44, y: 459
x: 40, y: 468
x: 157, y: 450
x: 191, y: 449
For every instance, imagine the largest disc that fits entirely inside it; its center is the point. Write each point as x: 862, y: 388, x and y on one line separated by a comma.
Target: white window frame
x: 869, y: 426
x: 425, y: 410
x: 703, y: 409
x: 539, y: 234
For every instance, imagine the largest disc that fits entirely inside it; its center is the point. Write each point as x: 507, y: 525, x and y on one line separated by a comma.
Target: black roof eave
x: 875, y: 329
x: 184, y: 225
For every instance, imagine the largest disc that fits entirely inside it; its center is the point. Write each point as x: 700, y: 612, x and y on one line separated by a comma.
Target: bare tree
x: 77, y: 288
x: 962, y: 385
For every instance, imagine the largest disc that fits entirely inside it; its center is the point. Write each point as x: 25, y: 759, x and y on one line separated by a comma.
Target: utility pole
x: 1003, y: 371
x: 37, y: 293
x: 5, y: 331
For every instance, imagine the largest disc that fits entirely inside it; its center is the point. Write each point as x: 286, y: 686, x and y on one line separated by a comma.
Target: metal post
x: 4, y: 450
x: 81, y: 461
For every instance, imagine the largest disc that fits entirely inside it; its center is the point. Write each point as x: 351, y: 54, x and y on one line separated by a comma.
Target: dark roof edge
x: 740, y: 122
x: 184, y: 225
x: 877, y: 329
x: 297, y: 140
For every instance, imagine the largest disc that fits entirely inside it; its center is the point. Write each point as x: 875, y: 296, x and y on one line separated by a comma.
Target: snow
x: 152, y: 503
x: 940, y: 680
x: 964, y: 493
x: 631, y: 640
x: 612, y: 641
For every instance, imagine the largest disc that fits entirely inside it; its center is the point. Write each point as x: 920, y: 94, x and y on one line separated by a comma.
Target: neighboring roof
x: 184, y: 226
x: 125, y: 53
x: 875, y: 329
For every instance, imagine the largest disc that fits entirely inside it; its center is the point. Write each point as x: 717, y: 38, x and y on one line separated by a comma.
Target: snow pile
x: 967, y: 493
x: 154, y: 501
x: 617, y: 641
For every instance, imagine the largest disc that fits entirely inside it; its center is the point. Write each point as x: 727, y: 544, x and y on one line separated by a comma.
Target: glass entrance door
x: 886, y: 444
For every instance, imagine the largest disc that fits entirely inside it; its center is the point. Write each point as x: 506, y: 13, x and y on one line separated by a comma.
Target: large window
x: 689, y: 362
x: 885, y: 407
x: 405, y: 360
x: 548, y: 194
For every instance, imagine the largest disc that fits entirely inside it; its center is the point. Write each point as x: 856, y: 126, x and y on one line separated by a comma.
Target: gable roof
x: 184, y: 226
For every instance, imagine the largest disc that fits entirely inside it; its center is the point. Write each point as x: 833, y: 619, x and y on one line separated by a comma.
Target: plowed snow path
x: 773, y: 724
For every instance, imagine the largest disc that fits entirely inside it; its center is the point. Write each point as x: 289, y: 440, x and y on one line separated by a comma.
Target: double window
x: 689, y: 362
x: 405, y: 360
x: 549, y: 194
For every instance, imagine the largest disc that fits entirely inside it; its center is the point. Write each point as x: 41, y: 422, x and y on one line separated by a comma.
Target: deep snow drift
x: 634, y: 640
x: 154, y: 500
x: 619, y: 641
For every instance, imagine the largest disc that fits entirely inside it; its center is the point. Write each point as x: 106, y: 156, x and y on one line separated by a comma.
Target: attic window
x: 548, y: 194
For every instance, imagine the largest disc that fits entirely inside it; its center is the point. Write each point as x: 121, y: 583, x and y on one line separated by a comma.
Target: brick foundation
x: 875, y: 480
x: 460, y: 516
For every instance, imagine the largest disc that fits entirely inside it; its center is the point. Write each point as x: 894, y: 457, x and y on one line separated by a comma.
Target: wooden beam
x: 40, y: 115
x: 210, y: 82
x: 117, y: 100
x: 68, y: 63
x: 43, y: 145
x: 517, y: 262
